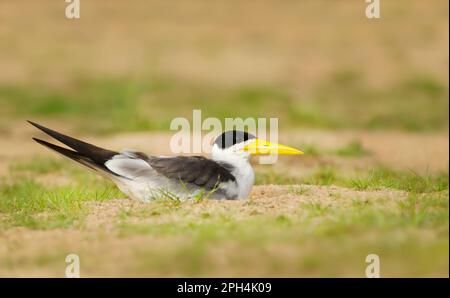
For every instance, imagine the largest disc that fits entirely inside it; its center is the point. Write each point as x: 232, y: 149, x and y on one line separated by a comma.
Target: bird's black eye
x: 232, y: 137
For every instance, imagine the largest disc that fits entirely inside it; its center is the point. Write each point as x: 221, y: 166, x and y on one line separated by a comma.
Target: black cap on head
x: 232, y: 137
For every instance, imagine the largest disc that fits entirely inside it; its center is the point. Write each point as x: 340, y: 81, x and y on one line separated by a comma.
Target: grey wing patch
x: 197, y: 170
x: 129, y: 168
x: 135, y: 154
x: 131, y: 165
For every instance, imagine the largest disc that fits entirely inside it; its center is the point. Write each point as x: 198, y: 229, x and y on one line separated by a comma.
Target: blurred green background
x: 134, y: 66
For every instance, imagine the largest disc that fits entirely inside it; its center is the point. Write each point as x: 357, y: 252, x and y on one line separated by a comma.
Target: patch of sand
x: 105, y: 252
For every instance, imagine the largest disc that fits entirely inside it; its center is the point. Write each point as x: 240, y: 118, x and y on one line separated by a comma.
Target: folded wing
x: 197, y: 170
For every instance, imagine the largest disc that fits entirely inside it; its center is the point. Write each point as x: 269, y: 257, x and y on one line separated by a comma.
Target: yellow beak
x: 262, y: 147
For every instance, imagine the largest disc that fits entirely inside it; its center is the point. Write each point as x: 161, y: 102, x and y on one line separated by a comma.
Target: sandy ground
x: 105, y: 251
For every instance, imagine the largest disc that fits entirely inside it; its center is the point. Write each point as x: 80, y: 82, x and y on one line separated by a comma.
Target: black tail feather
x: 68, y: 153
x: 96, y: 154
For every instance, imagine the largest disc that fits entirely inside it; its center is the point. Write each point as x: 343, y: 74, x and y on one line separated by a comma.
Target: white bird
x: 227, y: 175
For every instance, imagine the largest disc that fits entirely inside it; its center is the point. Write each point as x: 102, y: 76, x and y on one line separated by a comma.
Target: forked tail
x: 84, y: 153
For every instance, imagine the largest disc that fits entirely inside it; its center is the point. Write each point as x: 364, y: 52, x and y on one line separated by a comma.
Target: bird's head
x: 240, y: 144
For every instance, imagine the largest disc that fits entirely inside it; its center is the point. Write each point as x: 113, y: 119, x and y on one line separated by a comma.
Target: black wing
x: 193, y: 169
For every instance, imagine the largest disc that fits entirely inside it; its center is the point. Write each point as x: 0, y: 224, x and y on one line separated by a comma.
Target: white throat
x: 242, y: 169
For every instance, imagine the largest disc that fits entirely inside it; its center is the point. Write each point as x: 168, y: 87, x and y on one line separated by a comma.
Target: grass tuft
x: 325, y: 175
x: 408, y: 181
x: 39, y: 165
x: 31, y: 204
x: 354, y: 148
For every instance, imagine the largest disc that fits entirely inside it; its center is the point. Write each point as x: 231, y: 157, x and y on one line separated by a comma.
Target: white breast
x: 242, y: 170
x: 245, y: 177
